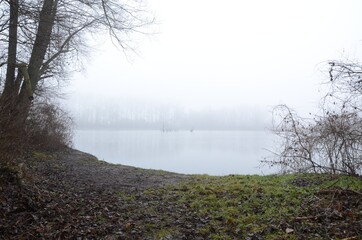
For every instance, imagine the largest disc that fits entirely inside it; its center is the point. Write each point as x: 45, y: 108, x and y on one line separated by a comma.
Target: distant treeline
x: 116, y: 115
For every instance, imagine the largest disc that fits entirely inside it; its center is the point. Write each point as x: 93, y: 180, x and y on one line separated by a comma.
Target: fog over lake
x: 196, y: 152
x: 161, y: 136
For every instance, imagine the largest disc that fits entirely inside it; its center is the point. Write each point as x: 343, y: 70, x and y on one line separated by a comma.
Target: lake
x: 196, y: 152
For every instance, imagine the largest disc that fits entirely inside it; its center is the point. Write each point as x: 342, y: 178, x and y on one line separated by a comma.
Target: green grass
x: 240, y: 206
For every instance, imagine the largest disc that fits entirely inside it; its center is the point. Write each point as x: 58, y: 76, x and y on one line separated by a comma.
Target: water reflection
x: 199, y: 152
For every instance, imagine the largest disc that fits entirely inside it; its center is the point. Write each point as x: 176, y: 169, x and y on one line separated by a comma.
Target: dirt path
x: 81, y: 170
x: 72, y: 195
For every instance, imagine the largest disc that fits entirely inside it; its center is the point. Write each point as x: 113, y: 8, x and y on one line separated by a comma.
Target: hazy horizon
x: 106, y: 113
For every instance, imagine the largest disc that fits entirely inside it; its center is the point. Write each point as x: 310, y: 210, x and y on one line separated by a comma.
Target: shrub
x: 331, y: 143
x: 48, y: 126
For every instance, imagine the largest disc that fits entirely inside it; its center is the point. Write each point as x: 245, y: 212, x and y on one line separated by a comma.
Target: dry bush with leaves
x: 48, y: 126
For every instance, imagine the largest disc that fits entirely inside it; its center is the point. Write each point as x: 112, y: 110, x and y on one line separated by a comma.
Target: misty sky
x: 211, y: 54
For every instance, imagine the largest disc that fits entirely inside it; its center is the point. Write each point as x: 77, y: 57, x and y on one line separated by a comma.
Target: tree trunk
x: 8, y: 93
x: 42, y: 40
x: 8, y: 97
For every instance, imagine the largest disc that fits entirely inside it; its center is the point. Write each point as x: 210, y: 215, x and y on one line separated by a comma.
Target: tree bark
x: 42, y: 40
x: 8, y: 92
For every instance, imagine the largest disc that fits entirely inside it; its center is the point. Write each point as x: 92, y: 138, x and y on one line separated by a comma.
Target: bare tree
x: 331, y: 141
x: 40, y: 40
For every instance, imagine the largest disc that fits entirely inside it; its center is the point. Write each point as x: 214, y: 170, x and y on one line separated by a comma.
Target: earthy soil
x: 72, y: 195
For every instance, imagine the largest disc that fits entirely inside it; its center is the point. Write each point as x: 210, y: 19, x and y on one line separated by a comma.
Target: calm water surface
x: 197, y: 152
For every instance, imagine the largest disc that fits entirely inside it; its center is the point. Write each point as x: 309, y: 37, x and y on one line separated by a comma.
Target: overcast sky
x: 229, y: 53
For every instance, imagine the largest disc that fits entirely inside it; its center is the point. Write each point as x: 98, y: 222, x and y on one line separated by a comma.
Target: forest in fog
x: 132, y: 115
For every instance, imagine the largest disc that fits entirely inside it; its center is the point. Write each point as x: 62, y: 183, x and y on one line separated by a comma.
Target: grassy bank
x: 269, y: 207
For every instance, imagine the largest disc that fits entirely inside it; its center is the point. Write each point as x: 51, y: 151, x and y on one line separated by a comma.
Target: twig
x: 305, y: 218
x: 354, y: 191
x: 350, y: 238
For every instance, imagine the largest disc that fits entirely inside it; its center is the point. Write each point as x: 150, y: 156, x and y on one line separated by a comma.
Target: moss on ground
x: 241, y: 207
x: 42, y: 155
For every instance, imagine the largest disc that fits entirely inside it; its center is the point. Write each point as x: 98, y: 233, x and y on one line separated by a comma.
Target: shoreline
x: 71, y: 194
